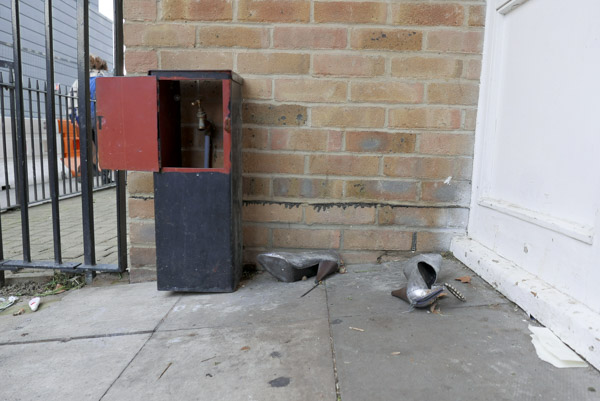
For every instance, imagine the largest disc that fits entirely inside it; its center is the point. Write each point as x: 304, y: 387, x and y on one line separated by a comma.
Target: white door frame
x: 505, y: 263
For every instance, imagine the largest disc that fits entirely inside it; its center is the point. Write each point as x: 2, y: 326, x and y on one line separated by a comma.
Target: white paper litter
x: 4, y: 304
x: 34, y: 303
x: 551, y: 349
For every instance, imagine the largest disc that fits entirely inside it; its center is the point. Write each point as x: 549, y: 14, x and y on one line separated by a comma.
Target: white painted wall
x: 536, y: 183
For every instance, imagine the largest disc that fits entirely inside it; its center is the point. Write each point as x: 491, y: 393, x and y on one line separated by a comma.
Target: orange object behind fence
x: 70, y: 137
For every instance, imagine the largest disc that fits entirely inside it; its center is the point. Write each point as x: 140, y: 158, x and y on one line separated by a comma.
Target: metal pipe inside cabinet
x: 205, y: 127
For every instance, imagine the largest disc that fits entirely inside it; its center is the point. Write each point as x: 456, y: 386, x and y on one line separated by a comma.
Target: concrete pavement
x: 40, y: 225
x: 263, y: 342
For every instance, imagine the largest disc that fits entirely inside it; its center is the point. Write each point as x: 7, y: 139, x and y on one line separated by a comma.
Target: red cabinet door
x: 126, y: 109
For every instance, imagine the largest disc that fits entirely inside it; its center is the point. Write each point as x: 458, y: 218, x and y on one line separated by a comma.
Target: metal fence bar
x: 72, y: 139
x: 20, y: 128
x: 32, y: 143
x: 51, y: 133
x: 39, y: 113
x: 62, y: 142
x: 70, y: 119
x: 83, y: 66
x: 3, y: 126
x: 93, y: 123
x: 67, y: 150
x: 13, y: 134
x: 4, y: 150
x: 120, y: 175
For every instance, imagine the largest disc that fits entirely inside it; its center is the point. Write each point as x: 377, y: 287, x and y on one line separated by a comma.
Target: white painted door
x: 536, y: 186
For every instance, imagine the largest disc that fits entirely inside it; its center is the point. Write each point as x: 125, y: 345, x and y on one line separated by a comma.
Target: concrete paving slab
x: 366, y: 289
x: 261, y: 300
x: 63, y: 371
x: 91, y: 311
x: 270, y: 362
x: 477, y: 353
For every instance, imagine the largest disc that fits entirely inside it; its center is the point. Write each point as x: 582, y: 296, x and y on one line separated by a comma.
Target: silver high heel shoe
x: 289, y: 267
x: 421, y: 272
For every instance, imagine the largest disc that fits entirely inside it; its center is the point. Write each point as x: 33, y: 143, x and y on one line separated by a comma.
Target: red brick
x: 351, y: 12
x: 139, y: 10
x: 309, y: 37
x: 271, y: 213
x: 249, y: 256
x: 335, y: 142
x: 476, y: 15
x: 273, y: 63
x: 425, y: 118
x: 426, y: 67
x: 310, y: 90
x: 197, y: 10
x: 256, y: 186
x: 427, y: 14
x: 386, y: 92
x: 379, y: 190
x: 361, y: 257
x: 274, y: 10
x: 456, y: 192
x: 427, y: 167
x: 255, y: 236
x: 348, y: 66
x: 472, y: 69
x: 380, y: 142
x: 142, y: 257
x: 455, y: 42
x: 306, y: 238
x: 159, y: 35
x: 340, y: 215
x: 344, y: 165
x: 446, y: 144
x: 141, y: 208
x: 273, y: 163
x: 195, y: 60
x: 470, y: 119
x: 268, y: 114
x: 301, y: 139
x: 377, y: 239
x: 353, y: 117
x: 141, y: 233
x: 386, y: 39
x: 139, y: 182
x: 428, y: 241
x: 257, y: 88
x: 232, y: 36
x: 423, y: 217
x: 255, y: 138
x: 141, y: 275
x: 462, y: 93
x: 308, y: 188
x: 140, y: 61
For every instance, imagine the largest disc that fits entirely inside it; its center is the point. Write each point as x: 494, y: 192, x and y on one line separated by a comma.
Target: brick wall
x: 356, y: 114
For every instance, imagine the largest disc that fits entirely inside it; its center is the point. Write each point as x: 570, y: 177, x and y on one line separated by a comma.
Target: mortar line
x: 141, y: 348
x: 338, y: 394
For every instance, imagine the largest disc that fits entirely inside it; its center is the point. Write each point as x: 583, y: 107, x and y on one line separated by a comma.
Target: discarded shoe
x: 289, y: 267
x: 421, y: 272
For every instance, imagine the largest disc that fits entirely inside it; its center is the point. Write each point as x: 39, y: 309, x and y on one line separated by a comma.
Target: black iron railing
x: 66, y: 141
x: 59, y: 166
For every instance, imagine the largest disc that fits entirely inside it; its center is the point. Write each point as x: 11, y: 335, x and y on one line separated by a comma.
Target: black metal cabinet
x: 157, y: 123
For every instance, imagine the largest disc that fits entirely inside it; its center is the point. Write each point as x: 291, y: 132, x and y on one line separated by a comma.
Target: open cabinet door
x: 127, y: 123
